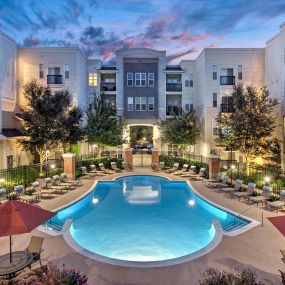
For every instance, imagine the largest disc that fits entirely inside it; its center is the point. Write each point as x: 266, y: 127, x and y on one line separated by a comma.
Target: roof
x: 108, y: 67
x: 11, y: 133
x: 174, y: 67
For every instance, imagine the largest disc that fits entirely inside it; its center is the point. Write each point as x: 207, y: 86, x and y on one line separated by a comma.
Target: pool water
x: 143, y: 218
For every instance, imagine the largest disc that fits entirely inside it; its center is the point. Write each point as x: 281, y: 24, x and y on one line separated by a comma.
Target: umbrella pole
x: 10, y: 249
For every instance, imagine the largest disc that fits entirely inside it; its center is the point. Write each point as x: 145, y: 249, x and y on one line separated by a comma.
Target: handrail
x: 238, y: 215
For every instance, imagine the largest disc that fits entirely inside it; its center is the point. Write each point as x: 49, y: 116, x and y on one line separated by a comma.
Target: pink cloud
x: 190, y: 39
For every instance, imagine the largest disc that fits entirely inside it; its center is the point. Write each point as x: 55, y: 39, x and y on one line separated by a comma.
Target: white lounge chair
x: 245, y: 194
x: 173, y: 168
x: 183, y: 170
x: 105, y: 170
x: 161, y: 165
x: 266, y: 193
x: 85, y: 173
x: 278, y: 205
x: 230, y: 190
x: 218, y: 185
x: 115, y: 167
x: 74, y: 183
x: 19, y: 190
x: 3, y: 195
x: 95, y: 171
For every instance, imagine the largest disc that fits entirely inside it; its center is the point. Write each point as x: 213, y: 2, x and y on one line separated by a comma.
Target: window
x: 227, y: 104
x: 151, y: 103
x: 191, y: 80
x: 187, y: 80
x: 41, y: 70
x: 215, y: 99
x: 151, y: 79
x: 214, y: 128
x: 189, y: 105
x: 129, y: 79
x: 54, y: 71
x: 92, y: 79
x: 140, y: 103
x: 140, y: 79
x: 215, y: 74
x: 130, y: 103
x: 66, y: 71
x: 240, y: 72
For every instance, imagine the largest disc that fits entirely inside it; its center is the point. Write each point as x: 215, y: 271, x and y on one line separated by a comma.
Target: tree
x: 249, y: 127
x: 273, y: 153
x: 103, y: 126
x: 181, y: 129
x: 50, y: 120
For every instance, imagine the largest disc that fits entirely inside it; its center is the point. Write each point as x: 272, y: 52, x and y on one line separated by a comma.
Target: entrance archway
x: 141, y: 137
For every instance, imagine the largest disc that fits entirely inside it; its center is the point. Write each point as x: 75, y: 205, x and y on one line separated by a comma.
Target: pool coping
x: 219, y: 232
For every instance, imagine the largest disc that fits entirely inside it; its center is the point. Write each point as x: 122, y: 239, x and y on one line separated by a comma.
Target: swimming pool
x: 143, y: 218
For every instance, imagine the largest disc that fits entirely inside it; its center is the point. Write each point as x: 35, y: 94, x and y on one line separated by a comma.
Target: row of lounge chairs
x: 248, y: 193
x: 57, y: 184
x: 186, y: 171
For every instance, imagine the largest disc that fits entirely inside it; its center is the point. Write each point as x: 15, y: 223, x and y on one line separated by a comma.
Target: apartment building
x: 141, y: 85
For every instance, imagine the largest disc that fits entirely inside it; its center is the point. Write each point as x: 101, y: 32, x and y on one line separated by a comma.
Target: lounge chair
x: 115, y: 167
x: 217, y: 179
x: 19, y: 190
x: 105, y: 170
x: 35, y: 248
x: 74, y: 183
x: 51, y: 187
x: 95, y: 171
x: 266, y: 192
x: 39, y: 192
x: 85, y: 173
x: 278, y: 205
x: 3, y: 195
x: 245, y: 194
x: 183, y: 170
x: 201, y: 174
x: 161, y: 165
x: 173, y: 168
x: 222, y: 184
x: 57, y: 182
x: 126, y: 166
x: 231, y: 190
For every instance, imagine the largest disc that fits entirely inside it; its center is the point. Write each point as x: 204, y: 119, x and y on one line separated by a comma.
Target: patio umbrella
x: 18, y: 218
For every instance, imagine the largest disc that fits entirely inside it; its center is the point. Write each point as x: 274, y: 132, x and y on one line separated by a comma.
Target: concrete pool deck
x: 257, y: 248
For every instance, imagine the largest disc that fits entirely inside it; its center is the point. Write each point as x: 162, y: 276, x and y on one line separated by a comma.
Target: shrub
x: 215, y: 277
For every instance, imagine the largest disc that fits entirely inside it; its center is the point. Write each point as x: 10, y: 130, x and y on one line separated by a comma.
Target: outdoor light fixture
x: 225, y: 167
x: 191, y: 202
x: 2, y: 180
x: 267, y: 179
x: 233, y: 166
x: 95, y: 200
x: 52, y: 166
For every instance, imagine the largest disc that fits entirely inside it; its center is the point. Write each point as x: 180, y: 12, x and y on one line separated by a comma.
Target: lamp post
x: 229, y: 148
x: 47, y: 152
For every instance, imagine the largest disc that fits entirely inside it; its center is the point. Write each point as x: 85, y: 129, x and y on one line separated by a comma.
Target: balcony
x: 227, y: 108
x: 108, y: 86
x: 227, y: 80
x: 174, y: 87
x: 173, y: 110
x: 54, y: 79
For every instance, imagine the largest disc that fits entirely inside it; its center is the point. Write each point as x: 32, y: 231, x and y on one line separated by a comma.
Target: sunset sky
x: 180, y: 27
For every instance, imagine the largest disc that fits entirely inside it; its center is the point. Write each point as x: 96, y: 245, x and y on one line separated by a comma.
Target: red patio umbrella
x: 18, y: 218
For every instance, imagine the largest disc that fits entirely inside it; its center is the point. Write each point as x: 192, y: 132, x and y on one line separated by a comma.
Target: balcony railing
x: 173, y: 110
x: 174, y: 87
x: 227, y: 80
x: 227, y: 108
x: 54, y: 79
x: 108, y: 86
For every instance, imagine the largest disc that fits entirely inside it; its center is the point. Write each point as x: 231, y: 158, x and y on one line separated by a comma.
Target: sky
x: 181, y: 27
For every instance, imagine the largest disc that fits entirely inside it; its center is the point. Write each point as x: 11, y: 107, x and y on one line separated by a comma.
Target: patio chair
x: 245, y: 194
x: 266, y: 192
x: 19, y: 190
x: 85, y: 173
x: 57, y: 182
x: 115, y: 167
x: 74, y: 183
x: 105, y: 170
x: 278, y: 205
x: 35, y: 248
x: 231, y: 190
x: 95, y: 171
x: 217, y: 179
x: 38, y: 191
x: 161, y: 166
x: 173, y: 168
x: 182, y: 171
x: 51, y: 187
x: 3, y: 195
x: 126, y: 166
x: 222, y: 184
x: 200, y: 175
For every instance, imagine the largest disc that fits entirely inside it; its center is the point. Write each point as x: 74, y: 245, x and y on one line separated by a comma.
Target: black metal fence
x: 186, y: 155
x: 24, y: 175
x: 259, y: 174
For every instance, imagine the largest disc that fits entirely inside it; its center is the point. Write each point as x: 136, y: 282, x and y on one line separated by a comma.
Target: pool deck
x: 257, y: 248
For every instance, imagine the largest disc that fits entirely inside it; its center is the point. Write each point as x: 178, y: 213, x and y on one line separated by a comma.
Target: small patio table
x: 20, y: 260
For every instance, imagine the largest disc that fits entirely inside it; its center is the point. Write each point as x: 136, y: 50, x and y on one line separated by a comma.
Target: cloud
x: 31, y: 41
x: 180, y: 54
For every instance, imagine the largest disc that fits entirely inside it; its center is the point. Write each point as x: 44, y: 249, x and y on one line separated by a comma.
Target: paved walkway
x: 257, y: 249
